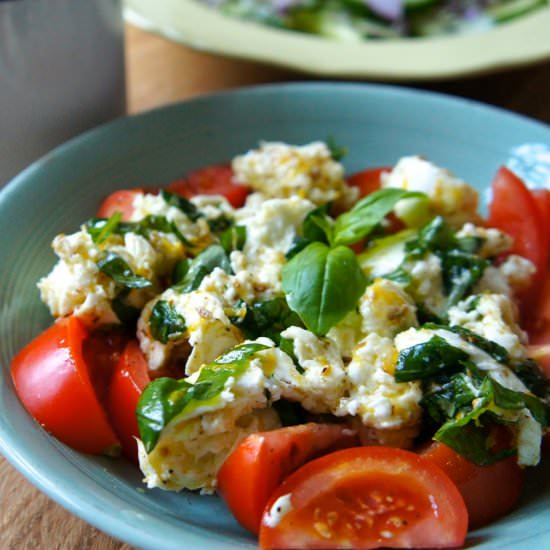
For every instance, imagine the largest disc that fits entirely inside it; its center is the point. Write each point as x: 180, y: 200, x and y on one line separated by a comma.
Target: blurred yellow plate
x: 523, y: 41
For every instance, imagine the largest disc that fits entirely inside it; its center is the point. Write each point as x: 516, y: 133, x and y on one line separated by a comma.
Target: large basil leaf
x: 322, y: 285
x: 268, y: 318
x: 165, y: 322
x: 115, y: 267
x: 187, y: 207
x: 201, y: 266
x: 164, y: 399
x: 429, y: 359
x: 357, y: 223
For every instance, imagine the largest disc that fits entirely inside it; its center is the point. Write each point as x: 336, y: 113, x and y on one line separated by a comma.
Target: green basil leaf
x: 496, y: 351
x: 435, y: 235
x: 287, y: 346
x: 115, y: 267
x: 165, y: 322
x: 336, y: 151
x: 461, y: 271
x: 472, y: 440
x: 160, y: 402
x: 428, y: 360
x: 531, y: 375
x: 100, y: 228
x: 318, y: 226
x: 164, y: 399
x: 202, y: 265
x: 126, y: 313
x: 220, y: 224
x: 233, y: 238
x: 180, y: 270
x: 187, y: 207
x: 322, y: 285
x: 357, y: 223
x: 268, y: 318
x: 298, y: 244
x: 446, y: 400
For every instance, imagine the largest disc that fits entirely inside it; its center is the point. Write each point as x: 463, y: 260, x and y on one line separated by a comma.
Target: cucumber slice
x: 505, y: 11
x: 386, y: 254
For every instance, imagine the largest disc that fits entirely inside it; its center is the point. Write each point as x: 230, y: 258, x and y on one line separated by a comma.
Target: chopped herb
x: 233, y: 238
x: 287, y: 346
x: 429, y: 359
x: 220, y: 224
x: 268, y: 318
x: 126, y: 313
x: 100, y: 228
x: 115, y: 267
x: 165, y: 322
x: 336, y: 151
x: 201, y: 266
x: 187, y: 207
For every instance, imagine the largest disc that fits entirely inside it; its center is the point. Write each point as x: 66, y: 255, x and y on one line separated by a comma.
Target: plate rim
x: 72, y: 500
x: 514, y: 44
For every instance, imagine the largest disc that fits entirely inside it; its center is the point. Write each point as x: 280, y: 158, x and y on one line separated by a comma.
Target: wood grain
x: 161, y: 72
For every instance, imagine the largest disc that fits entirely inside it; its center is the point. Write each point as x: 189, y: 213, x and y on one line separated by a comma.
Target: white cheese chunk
x: 279, y: 170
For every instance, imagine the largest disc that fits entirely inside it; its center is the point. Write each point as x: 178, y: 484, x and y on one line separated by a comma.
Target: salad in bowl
x: 351, y: 361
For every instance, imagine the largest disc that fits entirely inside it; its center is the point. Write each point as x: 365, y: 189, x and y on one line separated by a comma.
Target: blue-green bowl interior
x: 378, y: 124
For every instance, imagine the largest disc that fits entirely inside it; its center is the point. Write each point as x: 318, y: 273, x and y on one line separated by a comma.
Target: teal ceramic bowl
x: 377, y: 123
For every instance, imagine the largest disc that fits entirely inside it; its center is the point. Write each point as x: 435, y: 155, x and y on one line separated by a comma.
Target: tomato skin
x: 513, y: 209
x: 542, y: 201
x: 369, y: 180
x: 53, y: 382
x: 489, y: 492
x: 119, y: 201
x: 211, y: 180
x: 367, y: 497
x: 127, y: 384
x: 259, y: 464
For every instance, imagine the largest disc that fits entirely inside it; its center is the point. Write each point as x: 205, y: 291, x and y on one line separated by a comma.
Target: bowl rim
x: 516, y: 43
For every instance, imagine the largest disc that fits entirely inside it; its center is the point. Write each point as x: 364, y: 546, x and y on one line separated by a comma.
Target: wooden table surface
x: 160, y: 72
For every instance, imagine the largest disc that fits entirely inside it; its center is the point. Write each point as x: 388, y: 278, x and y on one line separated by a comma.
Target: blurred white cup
x: 61, y: 72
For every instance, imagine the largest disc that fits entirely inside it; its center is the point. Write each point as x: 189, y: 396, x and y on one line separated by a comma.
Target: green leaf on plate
x: 322, y: 285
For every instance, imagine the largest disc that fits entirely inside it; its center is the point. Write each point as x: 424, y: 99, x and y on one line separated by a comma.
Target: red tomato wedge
x: 128, y: 382
x: 119, y: 201
x: 101, y: 351
x: 542, y: 200
x: 259, y: 464
x: 52, y: 379
x: 366, y: 497
x: 538, y: 322
x: 212, y: 180
x: 489, y: 492
x: 369, y: 180
x: 513, y: 209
